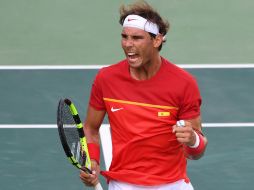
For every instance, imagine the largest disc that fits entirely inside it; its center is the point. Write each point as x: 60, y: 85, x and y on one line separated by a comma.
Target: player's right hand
x: 91, y: 179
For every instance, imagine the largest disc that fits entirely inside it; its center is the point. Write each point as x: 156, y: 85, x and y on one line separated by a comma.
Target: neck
x: 147, y: 70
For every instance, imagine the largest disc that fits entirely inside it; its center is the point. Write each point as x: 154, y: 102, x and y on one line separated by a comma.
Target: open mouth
x: 132, y: 57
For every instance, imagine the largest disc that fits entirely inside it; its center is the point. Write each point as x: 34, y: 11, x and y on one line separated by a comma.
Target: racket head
x: 69, y: 133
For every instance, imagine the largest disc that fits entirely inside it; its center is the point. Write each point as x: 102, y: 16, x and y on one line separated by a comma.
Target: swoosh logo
x: 115, y: 109
x: 131, y: 19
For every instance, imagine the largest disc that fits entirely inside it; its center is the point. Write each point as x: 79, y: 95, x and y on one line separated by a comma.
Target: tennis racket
x: 72, y: 137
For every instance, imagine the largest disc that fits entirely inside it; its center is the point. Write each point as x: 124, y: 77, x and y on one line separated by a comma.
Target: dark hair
x: 144, y: 10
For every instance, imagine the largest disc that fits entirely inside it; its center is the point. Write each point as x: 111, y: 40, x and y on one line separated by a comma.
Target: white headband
x: 141, y: 23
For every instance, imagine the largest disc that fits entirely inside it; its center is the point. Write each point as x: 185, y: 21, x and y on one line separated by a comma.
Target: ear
x: 157, y: 40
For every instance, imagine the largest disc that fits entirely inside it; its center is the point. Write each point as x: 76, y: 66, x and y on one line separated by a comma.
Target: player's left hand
x: 185, y: 134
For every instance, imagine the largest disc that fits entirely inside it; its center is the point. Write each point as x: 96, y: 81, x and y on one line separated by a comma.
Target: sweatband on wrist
x: 199, y: 149
x: 94, y: 151
x: 197, y: 141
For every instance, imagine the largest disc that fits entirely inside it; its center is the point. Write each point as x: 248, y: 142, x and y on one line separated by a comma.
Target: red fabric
x: 94, y: 151
x: 141, y: 115
x: 196, y: 151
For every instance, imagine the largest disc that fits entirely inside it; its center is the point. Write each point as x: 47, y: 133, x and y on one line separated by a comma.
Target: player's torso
x: 141, y: 115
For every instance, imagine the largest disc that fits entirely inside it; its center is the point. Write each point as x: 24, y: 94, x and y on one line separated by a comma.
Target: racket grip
x: 85, y: 169
x: 98, y: 186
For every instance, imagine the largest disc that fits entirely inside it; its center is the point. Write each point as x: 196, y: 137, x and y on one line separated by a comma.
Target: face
x: 139, y: 47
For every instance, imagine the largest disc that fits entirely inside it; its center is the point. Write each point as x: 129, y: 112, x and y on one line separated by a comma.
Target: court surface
x: 32, y: 156
x: 60, y: 43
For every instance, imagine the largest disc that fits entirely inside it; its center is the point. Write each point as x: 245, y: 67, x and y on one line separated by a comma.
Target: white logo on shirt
x: 115, y: 109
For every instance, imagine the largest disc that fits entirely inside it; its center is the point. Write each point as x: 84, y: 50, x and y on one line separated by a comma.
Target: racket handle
x: 98, y: 186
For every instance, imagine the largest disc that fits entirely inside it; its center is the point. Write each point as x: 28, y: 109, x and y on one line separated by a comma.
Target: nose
x: 128, y: 42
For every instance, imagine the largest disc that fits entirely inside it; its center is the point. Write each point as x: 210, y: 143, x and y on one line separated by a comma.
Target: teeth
x: 131, y: 53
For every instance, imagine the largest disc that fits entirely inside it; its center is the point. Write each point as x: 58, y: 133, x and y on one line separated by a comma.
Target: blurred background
x: 87, y: 32
x: 81, y: 32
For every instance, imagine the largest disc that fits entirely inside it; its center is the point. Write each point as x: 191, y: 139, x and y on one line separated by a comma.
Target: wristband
x: 94, y: 151
x: 196, y: 150
x: 197, y: 141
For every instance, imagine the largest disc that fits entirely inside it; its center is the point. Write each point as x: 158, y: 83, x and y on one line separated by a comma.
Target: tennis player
x: 145, y: 96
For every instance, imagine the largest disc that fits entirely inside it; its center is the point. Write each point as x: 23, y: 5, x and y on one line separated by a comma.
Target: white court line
x: 51, y: 126
x: 27, y: 126
x: 49, y: 67
x: 105, y: 134
x: 63, y: 67
x: 218, y: 66
x: 230, y: 125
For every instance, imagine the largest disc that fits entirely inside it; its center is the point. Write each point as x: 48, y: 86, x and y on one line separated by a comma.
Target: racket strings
x: 71, y: 134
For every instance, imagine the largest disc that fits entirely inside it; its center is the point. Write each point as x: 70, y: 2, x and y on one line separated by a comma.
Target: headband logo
x: 137, y: 21
x: 131, y: 19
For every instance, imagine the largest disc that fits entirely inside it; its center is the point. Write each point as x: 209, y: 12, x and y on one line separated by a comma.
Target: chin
x: 135, y: 64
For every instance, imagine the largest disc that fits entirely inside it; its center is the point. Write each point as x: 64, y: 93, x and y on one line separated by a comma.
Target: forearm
x: 198, y: 152
x: 93, y: 142
x: 92, y: 134
x: 197, y: 127
x: 190, y: 134
x: 91, y: 128
x: 92, y: 125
